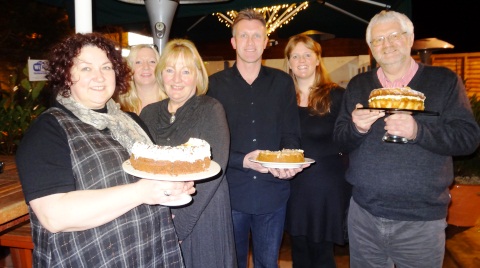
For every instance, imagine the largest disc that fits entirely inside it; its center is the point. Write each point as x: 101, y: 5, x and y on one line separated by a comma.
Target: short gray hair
x: 389, y: 16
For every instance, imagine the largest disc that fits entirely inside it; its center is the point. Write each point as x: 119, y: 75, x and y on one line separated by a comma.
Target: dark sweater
x: 205, y: 225
x: 408, y: 181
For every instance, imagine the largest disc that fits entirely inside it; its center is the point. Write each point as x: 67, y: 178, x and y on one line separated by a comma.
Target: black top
x: 264, y: 116
x: 319, y: 196
x: 52, y: 154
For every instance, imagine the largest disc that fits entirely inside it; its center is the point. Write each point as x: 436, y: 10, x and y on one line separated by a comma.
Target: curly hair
x: 62, y: 56
x: 319, y: 99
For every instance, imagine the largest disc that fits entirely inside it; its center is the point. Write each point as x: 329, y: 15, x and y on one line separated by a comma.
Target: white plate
x: 283, y: 165
x: 210, y: 172
x: 185, y: 199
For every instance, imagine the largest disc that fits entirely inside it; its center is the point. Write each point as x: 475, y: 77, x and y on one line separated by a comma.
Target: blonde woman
x: 144, y: 88
x: 204, y: 227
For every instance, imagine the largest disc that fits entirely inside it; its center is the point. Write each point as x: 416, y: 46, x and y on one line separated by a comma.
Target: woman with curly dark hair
x: 85, y: 211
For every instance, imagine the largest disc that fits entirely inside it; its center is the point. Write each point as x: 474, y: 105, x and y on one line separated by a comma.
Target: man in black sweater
x: 400, y: 195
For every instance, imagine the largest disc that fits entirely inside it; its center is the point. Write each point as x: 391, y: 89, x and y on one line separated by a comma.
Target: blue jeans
x: 266, y: 231
x: 383, y: 243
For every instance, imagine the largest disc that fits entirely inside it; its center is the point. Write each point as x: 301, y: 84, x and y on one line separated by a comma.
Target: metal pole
x: 345, y: 12
x: 161, y: 13
x: 83, y: 16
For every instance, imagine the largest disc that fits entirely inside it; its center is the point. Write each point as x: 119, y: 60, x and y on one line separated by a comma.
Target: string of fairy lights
x: 276, y: 16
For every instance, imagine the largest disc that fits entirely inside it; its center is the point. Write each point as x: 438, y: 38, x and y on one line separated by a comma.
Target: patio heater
x: 161, y: 13
x: 318, y: 36
x: 426, y: 46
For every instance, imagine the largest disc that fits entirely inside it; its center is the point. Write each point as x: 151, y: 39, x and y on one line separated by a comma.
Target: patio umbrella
x: 342, y: 18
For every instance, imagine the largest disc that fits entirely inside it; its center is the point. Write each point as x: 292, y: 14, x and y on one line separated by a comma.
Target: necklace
x: 172, y: 118
x: 172, y: 114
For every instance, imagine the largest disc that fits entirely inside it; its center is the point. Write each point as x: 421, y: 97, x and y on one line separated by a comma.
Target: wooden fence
x: 467, y: 65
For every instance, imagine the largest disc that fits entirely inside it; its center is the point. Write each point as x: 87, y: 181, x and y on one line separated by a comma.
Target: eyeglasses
x: 395, y: 36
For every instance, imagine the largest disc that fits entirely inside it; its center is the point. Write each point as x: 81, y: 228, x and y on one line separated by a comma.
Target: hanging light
x: 275, y: 16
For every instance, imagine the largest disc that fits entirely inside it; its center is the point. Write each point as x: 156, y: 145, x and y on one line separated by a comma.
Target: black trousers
x: 307, y: 254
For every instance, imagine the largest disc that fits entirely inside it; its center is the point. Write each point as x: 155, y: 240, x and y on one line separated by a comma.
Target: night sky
x: 456, y: 22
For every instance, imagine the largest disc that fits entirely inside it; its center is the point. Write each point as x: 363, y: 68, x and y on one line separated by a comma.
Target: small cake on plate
x: 283, y: 156
x: 191, y: 157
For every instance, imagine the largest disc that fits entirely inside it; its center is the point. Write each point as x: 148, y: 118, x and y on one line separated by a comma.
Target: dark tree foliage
x: 28, y: 29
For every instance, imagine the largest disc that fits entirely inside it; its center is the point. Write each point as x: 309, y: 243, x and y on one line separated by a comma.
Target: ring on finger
x: 166, y: 193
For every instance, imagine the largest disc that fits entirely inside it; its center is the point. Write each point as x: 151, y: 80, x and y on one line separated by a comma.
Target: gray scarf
x: 124, y: 129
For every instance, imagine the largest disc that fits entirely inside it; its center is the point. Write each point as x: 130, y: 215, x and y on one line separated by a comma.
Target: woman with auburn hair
x: 317, y: 207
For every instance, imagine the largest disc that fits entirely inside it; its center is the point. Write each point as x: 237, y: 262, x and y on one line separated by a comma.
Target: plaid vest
x: 143, y: 237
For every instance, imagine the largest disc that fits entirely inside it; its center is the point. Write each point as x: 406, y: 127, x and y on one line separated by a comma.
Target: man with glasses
x: 397, y: 214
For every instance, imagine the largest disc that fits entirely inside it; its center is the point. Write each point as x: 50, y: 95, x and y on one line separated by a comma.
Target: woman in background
x: 204, y: 226
x: 317, y: 207
x: 144, y: 88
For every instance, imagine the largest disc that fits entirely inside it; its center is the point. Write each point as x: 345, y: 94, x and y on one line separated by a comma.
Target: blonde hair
x: 319, y: 98
x: 183, y: 49
x: 130, y: 101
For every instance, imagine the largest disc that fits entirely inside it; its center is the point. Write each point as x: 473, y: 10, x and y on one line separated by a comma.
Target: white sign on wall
x: 36, y: 70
